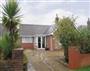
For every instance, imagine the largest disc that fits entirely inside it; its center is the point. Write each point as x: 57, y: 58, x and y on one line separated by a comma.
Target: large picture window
x: 27, y: 40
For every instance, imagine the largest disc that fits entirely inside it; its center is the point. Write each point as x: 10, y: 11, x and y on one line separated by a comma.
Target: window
x: 27, y: 40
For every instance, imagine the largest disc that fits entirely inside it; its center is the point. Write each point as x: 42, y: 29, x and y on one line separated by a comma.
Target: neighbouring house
x: 36, y: 36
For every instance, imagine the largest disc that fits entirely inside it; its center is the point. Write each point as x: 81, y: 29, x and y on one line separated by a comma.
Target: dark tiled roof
x: 32, y: 30
x: 27, y: 29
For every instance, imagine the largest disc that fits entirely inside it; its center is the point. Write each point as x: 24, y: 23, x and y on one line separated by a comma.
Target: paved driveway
x: 41, y: 60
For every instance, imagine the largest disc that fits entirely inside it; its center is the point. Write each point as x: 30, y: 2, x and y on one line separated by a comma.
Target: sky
x: 44, y: 11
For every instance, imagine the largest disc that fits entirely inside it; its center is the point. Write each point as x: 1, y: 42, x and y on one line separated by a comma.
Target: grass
x: 83, y: 69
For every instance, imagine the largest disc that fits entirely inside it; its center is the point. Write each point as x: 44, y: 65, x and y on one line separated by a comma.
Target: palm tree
x: 11, y: 20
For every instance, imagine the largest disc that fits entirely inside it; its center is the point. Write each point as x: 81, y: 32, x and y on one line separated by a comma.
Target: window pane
x: 27, y: 40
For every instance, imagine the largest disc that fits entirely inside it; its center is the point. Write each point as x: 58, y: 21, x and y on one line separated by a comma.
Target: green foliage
x: 11, y: 20
x: 1, y: 54
x: 25, y: 61
x: 83, y: 69
x: 66, y: 31
x: 69, y: 35
x: 84, y: 40
x: 5, y: 45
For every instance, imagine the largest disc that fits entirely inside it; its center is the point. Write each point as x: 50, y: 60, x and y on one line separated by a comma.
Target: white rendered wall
x: 36, y: 42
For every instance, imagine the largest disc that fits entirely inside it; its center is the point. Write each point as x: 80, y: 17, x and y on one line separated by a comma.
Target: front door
x: 41, y: 42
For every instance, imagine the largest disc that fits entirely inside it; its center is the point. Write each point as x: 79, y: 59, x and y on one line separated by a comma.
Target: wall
x: 27, y: 42
x: 77, y: 60
x: 36, y: 42
x: 28, y: 45
x: 15, y: 63
x: 48, y: 42
x: 51, y: 42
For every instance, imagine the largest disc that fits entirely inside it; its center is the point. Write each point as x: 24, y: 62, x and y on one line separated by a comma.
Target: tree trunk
x: 66, y: 54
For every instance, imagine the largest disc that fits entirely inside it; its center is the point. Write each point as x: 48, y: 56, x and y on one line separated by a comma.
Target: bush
x: 85, y: 40
x: 1, y: 54
x: 67, y: 33
x: 25, y: 61
x: 5, y: 45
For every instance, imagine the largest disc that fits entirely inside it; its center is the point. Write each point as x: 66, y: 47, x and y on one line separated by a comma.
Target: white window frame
x: 27, y: 39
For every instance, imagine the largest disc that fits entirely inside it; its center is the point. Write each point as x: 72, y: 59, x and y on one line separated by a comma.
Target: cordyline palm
x: 11, y: 20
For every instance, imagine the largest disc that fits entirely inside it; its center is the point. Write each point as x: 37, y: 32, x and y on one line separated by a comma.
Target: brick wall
x: 51, y: 42
x: 28, y: 45
x: 77, y: 60
x: 48, y: 42
x: 15, y: 64
x: 55, y: 43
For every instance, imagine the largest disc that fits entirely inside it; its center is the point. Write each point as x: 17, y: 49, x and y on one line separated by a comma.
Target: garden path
x: 41, y: 60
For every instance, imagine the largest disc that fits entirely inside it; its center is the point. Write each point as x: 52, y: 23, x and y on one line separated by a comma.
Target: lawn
x: 84, y: 69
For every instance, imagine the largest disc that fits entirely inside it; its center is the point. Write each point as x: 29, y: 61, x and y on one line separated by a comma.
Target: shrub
x: 84, y: 40
x: 67, y: 33
x: 5, y: 45
x: 11, y: 20
x: 1, y: 54
x: 25, y: 61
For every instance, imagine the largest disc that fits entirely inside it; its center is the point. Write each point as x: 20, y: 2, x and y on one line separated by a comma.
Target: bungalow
x: 36, y: 36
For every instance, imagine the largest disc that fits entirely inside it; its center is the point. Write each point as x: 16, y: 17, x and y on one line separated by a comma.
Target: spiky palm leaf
x: 11, y: 19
